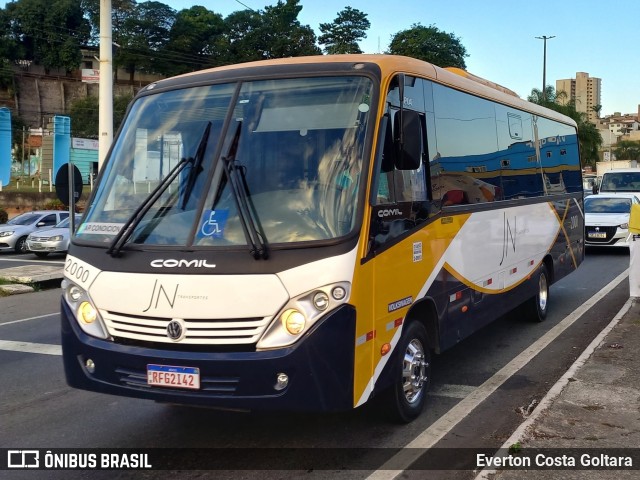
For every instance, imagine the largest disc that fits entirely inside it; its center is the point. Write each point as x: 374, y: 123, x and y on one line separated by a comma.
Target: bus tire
x: 406, y: 397
x: 535, y: 309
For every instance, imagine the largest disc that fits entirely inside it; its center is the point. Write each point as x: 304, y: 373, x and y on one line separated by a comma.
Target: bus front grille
x: 236, y: 331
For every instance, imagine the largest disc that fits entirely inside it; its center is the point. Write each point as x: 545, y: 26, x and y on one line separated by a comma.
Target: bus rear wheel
x: 405, y: 399
x: 536, y: 307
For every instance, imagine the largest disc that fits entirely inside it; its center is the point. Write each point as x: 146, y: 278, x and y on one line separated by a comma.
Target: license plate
x: 36, y: 245
x: 173, y: 377
x: 597, y: 235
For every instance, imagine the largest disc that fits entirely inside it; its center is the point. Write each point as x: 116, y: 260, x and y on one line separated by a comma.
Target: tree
x: 195, y: 40
x: 9, y: 50
x: 342, y: 36
x: 51, y: 32
x: 120, y: 11
x: 429, y: 44
x: 282, y: 33
x: 275, y: 32
x: 588, y: 135
x: 243, y: 37
x: 85, y: 117
x: 144, y: 35
x: 627, y: 150
x: 10, y: 47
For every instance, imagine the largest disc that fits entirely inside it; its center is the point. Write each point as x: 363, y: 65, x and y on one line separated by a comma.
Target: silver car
x: 13, y: 234
x: 51, y: 240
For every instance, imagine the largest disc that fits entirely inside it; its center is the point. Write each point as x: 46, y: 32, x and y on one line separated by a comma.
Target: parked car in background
x: 56, y: 239
x: 14, y: 233
x: 606, y: 219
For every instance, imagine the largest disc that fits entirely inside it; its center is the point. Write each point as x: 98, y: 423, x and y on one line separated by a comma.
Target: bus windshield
x: 200, y: 166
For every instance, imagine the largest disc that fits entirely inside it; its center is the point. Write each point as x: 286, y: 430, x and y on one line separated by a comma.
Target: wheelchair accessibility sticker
x: 213, y: 223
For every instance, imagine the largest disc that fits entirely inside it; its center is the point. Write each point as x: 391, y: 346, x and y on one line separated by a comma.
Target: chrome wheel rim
x: 414, y: 371
x: 543, y: 293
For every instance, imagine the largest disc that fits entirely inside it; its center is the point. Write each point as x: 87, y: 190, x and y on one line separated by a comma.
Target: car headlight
x: 6, y: 234
x: 624, y: 226
x: 301, y: 313
x: 55, y: 238
x: 85, y: 312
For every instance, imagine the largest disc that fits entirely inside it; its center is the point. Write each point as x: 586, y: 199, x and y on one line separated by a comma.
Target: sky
x: 590, y: 36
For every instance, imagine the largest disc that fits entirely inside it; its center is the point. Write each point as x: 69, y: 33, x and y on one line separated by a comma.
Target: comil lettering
x: 390, y: 212
x: 173, y: 263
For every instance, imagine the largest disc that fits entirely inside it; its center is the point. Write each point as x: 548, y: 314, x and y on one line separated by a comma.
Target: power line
x: 245, y: 6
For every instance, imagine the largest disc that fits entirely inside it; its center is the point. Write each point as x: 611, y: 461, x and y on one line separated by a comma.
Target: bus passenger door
x: 397, y: 242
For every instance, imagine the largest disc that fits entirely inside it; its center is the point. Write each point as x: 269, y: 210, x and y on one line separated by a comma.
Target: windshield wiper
x: 134, y: 220
x: 246, y: 211
x: 197, y: 165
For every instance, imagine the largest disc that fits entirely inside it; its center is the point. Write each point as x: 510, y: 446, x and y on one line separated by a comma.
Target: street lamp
x: 544, y: 65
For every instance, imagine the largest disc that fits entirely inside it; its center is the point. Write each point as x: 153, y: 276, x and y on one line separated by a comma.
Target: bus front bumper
x: 319, y: 368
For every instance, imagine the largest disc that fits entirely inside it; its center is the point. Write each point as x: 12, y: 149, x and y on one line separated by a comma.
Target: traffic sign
x: 62, y: 184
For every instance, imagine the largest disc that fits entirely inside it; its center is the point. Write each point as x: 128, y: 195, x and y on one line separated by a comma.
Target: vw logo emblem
x: 176, y: 329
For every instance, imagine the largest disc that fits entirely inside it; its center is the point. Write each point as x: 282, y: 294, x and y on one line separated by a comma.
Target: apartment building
x: 584, y: 90
x: 617, y: 127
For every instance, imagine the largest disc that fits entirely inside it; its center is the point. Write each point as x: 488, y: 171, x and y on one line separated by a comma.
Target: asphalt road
x: 38, y: 410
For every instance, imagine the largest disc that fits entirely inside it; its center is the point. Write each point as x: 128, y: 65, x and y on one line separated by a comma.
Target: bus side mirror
x: 408, y: 140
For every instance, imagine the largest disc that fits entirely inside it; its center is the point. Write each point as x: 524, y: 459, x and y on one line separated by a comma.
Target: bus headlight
x: 293, y: 321
x: 85, y: 312
x: 301, y: 313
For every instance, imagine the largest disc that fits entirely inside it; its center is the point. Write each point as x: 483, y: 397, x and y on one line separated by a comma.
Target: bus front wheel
x: 412, y: 375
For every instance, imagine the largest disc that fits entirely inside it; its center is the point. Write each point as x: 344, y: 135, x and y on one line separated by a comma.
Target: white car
x: 13, y: 234
x: 51, y: 240
x: 606, y: 219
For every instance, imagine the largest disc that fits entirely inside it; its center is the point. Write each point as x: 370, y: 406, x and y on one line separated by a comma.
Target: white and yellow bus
x: 303, y: 234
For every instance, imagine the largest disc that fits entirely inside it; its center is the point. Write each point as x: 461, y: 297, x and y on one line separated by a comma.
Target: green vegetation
x: 152, y: 37
x: 342, y: 36
x: 431, y: 45
x: 627, y: 150
x: 84, y: 114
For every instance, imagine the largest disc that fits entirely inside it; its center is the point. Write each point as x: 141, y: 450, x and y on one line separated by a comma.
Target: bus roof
x: 391, y: 64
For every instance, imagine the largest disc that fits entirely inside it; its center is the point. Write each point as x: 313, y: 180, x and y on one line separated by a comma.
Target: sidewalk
x: 596, y: 405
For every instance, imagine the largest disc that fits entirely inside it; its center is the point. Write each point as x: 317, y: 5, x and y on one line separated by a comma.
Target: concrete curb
x: 15, y: 289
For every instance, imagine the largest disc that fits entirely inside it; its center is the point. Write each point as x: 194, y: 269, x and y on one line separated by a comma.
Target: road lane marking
x: 30, y: 318
x: 23, y: 260
x: 28, y: 347
x: 438, y: 429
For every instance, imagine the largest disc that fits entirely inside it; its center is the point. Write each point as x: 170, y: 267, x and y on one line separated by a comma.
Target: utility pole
x: 23, y: 127
x: 544, y: 65
x: 105, y: 106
